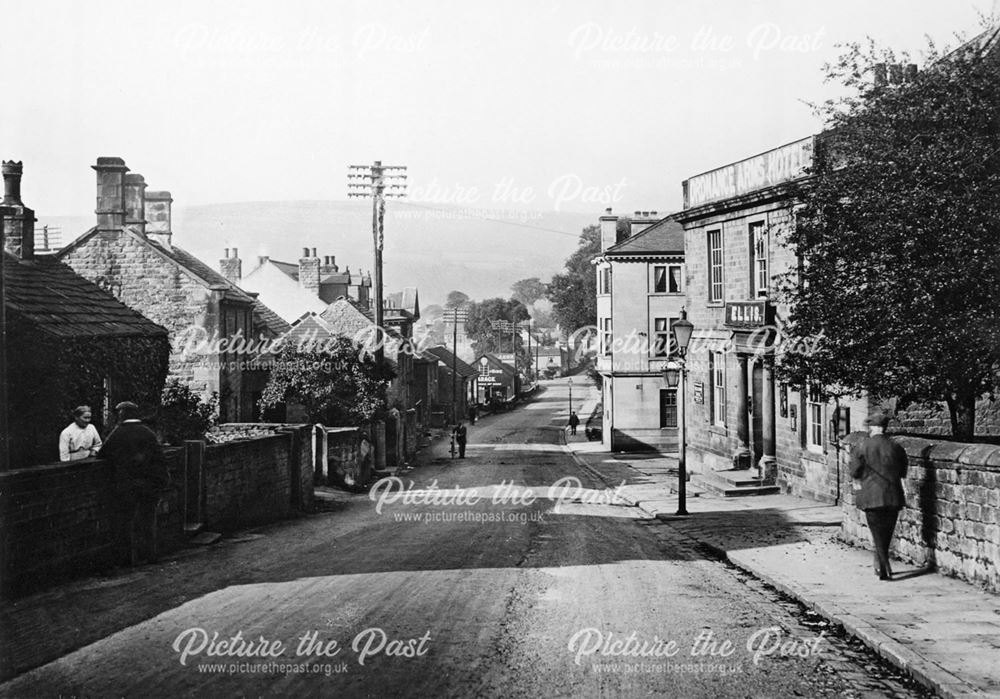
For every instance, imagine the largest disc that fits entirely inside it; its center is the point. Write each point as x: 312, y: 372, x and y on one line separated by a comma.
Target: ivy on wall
x: 48, y: 376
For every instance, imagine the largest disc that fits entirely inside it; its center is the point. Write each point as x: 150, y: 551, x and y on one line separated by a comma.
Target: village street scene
x: 435, y: 349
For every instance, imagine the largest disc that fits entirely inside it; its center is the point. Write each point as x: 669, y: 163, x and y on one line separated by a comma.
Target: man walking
x: 141, y: 474
x: 879, y: 465
x: 573, y: 422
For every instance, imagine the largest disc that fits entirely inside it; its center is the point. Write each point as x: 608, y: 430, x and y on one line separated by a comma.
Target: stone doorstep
x: 733, y: 483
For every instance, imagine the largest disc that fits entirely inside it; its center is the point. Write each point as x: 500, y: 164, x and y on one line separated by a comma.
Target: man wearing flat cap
x: 142, y: 475
x: 879, y: 464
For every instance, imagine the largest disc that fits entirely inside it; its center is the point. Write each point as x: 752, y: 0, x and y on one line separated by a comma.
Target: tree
x: 337, y: 385
x: 456, y: 299
x: 184, y: 414
x: 574, y: 293
x: 527, y: 291
x: 899, y: 233
x: 480, y: 329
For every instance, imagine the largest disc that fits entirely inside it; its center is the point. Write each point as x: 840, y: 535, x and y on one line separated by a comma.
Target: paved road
x: 534, y: 589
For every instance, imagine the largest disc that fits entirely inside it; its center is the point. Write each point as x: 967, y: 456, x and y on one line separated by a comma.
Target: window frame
x: 716, y: 267
x: 717, y: 375
x: 667, y: 409
x: 759, y: 236
x: 813, y: 419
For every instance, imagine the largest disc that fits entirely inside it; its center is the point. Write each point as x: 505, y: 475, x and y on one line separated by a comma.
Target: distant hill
x: 436, y: 249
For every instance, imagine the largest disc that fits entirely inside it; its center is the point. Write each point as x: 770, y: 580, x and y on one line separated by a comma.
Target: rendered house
x: 640, y: 293
x: 292, y: 289
x: 131, y: 254
x: 68, y: 343
x: 464, y: 383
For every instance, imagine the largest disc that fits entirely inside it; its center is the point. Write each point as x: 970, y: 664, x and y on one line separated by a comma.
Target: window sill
x: 719, y: 430
x: 818, y: 456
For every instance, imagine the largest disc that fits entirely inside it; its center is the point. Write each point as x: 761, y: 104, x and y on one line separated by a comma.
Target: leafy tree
x: 574, y: 293
x: 184, y: 414
x: 480, y: 329
x: 338, y: 385
x: 527, y: 291
x: 456, y: 299
x: 899, y: 290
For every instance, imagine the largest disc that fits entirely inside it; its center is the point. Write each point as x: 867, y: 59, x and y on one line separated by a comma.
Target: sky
x: 568, y: 106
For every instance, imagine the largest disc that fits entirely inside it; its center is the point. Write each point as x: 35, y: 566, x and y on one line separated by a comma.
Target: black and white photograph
x: 527, y: 349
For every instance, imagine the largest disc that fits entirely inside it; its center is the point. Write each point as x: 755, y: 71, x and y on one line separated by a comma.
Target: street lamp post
x: 571, y: 395
x: 676, y: 377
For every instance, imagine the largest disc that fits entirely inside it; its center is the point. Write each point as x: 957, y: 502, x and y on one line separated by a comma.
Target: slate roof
x: 265, y: 317
x: 214, y: 279
x: 291, y: 270
x: 59, y: 302
x: 445, y: 356
x: 665, y: 237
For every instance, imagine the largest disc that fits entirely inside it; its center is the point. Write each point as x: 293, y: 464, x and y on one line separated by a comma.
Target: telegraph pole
x: 455, y: 316
x: 380, y: 182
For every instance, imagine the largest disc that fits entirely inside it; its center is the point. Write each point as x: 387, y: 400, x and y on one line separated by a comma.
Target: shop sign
x: 765, y: 170
x: 746, y: 314
x: 698, y: 389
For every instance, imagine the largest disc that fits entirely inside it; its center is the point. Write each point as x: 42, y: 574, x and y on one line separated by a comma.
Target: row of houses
x: 719, y: 260
x: 123, y: 307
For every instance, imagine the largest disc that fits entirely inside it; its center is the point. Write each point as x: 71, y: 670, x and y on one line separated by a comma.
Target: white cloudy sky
x: 266, y: 100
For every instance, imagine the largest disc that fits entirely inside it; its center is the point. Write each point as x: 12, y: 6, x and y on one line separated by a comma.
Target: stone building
x: 68, y: 343
x: 736, y: 219
x: 131, y: 254
x: 292, y: 289
x: 640, y: 292
x: 463, y: 382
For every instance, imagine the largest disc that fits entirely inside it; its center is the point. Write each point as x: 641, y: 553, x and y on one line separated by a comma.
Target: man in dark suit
x: 461, y: 435
x: 879, y: 465
x: 141, y: 474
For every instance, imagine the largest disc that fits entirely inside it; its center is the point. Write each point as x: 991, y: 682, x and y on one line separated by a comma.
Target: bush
x: 184, y: 414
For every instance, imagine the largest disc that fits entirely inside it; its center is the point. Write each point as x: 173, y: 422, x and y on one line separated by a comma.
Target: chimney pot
x: 226, y: 255
x: 261, y: 259
x: 313, y: 252
x: 12, y: 182
x: 305, y: 252
x: 896, y: 73
x: 608, y: 211
x: 18, y: 220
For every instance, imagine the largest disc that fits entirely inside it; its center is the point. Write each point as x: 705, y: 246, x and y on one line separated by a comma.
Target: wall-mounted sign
x: 765, y: 170
x: 746, y: 314
x: 698, y: 390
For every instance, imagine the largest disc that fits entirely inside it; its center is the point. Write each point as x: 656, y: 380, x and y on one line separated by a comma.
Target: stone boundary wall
x: 57, y: 520
x: 952, y: 517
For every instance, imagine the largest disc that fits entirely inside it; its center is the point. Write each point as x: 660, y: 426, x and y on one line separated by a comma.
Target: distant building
x: 292, y: 289
x: 497, y: 380
x: 463, y: 382
x: 640, y: 293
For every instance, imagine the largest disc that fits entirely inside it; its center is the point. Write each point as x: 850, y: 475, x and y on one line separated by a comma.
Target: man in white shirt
x: 80, y: 439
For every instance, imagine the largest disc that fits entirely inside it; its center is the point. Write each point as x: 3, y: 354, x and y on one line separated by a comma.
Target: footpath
x: 944, y: 632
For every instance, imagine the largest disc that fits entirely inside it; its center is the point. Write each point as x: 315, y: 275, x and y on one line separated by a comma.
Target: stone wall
x: 936, y: 419
x: 57, y: 520
x: 148, y: 282
x: 952, y: 517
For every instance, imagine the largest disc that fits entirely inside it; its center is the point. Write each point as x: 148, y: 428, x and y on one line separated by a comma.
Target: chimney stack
x: 110, y: 193
x: 880, y: 75
x: 609, y: 226
x: 642, y: 221
x: 309, y: 271
x: 911, y: 72
x: 158, y: 217
x: 896, y: 73
x: 231, y: 266
x: 19, y: 223
x: 135, y: 202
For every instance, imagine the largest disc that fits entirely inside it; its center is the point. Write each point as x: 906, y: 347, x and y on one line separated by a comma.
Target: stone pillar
x: 743, y: 456
x: 768, y: 463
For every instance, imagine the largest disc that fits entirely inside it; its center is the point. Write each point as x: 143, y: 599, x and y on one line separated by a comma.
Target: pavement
x: 944, y: 632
